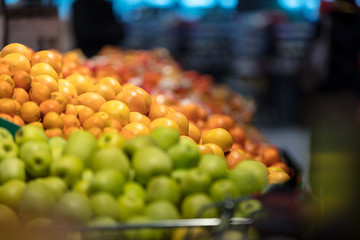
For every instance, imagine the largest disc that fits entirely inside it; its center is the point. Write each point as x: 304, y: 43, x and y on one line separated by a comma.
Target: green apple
x: 82, y: 186
x: 111, y: 157
x: 194, y: 206
x: 178, y: 175
x: 67, y: 167
x: 163, y: 187
x: 5, y: 134
x: 55, y: 185
x: 248, y: 207
x: 135, y: 189
x: 162, y: 210
x: 104, y: 204
x: 142, y: 233
x: 87, y: 174
x: 184, y: 154
x: 245, y: 182
x: 8, y: 149
x: 195, y: 180
x: 223, y: 189
x: 151, y: 161
x: 213, y: 164
x: 57, y: 145
x: 136, y: 143
x: 102, y: 221
x: 111, y: 139
x: 29, y: 133
x: 39, y: 224
x: 36, y: 202
x: 81, y: 144
x: 11, y: 192
x: 257, y: 168
x: 108, y: 180
x: 37, y: 158
x: 73, y: 208
x: 8, y: 218
x: 130, y: 205
x: 12, y: 168
x: 165, y: 137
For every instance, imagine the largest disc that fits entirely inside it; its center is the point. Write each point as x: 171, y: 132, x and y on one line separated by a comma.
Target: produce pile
x: 95, y: 148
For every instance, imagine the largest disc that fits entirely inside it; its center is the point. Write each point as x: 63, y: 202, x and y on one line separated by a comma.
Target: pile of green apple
x: 103, y: 181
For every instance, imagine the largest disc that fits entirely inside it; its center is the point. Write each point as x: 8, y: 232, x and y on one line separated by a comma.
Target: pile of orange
x: 60, y: 95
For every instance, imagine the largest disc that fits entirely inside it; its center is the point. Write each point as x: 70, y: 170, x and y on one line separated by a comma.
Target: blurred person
x: 95, y: 26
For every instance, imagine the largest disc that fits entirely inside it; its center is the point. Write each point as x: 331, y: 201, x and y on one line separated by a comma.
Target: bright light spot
x: 291, y: 4
x: 228, y: 3
x: 160, y: 3
x: 198, y: 3
x: 11, y: 1
x: 312, y: 4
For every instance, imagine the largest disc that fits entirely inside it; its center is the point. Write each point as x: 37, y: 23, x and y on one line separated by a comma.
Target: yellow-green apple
x: 29, y: 133
x: 151, y: 161
x: 196, y: 205
x: 57, y: 145
x: 130, y: 205
x: 82, y: 186
x: 67, y: 167
x: 5, y: 134
x: 37, y: 158
x: 142, y: 233
x: 8, y: 149
x: 184, y: 154
x: 102, y: 221
x: 111, y: 157
x: 111, y: 139
x: 11, y: 192
x: 104, y: 204
x: 223, y: 189
x: 73, y: 208
x: 55, y: 185
x: 213, y: 164
x: 248, y: 208
x: 161, y: 210
x: 12, y: 168
x: 136, y: 143
x: 195, y: 180
x: 135, y: 189
x: 163, y: 187
x: 108, y: 180
x: 165, y: 137
x: 178, y: 175
x: 8, y: 218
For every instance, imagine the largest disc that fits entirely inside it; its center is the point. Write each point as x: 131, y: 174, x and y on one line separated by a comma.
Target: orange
x: 92, y: 100
x: 18, y: 120
x: 70, y: 93
x: 5, y: 70
x: 117, y: 110
x: 43, y: 69
x: 53, y: 120
x: 187, y: 137
x: 20, y: 95
x: 8, y: 79
x: 146, y: 97
x: 81, y: 83
x: 234, y: 157
x: 71, y: 120
x: 104, y: 90
x: 137, y: 128
x: 141, y: 118
x: 202, y: 114
x: 60, y: 98
x: 37, y: 124
x: 104, y: 116
x: 68, y: 131
x: 220, y: 121
x: 84, y: 113
x: 205, y: 149
x: 71, y: 109
x: 6, y: 116
x: 113, y: 123
x: 30, y: 112
x: 96, y: 131
x: 238, y: 134
x: 127, y: 134
x: 220, y: 137
x: 251, y: 147
x: 6, y: 89
x: 270, y: 156
x: 181, y: 120
x: 50, y: 57
x: 48, y: 81
x: 215, y: 148
x: 17, y: 62
x: 190, y: 110
x: 110, y: 129
x: 113, y: 82
x: 22, y: 79
x: 50, y: 105
x: 157, y: 111
x: 16, y: 48
x: 39, y: 92
x: 8, y: 106
x: 283, y: 166
x: 278, y: 177
x: 134, y: 100
x: 54, y: 132
x: 163, y: 122
x: 93, y: 121
x: 275, y: 169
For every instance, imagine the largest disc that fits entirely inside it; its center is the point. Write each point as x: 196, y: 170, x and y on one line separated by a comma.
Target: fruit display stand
x: 128, y: 143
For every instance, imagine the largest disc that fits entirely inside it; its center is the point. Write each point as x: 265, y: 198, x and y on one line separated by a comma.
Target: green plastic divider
x: 12, y: 127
